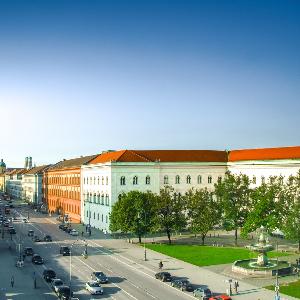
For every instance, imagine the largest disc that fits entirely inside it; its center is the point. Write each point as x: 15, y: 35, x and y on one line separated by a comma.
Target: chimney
x: 26, y: 163
x: 29, y: 162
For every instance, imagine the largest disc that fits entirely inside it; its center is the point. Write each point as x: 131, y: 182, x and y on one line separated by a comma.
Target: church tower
x: 2, y: 166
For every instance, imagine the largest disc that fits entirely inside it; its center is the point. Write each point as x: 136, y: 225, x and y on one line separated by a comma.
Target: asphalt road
x: 127, y: 280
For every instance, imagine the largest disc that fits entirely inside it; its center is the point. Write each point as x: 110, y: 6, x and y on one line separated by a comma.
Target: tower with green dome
x: 2, y: 166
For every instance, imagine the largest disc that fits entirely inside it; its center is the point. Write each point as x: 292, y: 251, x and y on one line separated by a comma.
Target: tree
x: 170, y: 211
x: 291, y: 214
x: 266, y: 206
x: 202, y: 211
x: 133, y: 212
x: 233, y: 195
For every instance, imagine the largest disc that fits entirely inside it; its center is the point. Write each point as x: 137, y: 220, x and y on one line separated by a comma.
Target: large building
x: 61, y: 187
x: 32, y: 184
x: 108, y: 175
x: 260, y: 164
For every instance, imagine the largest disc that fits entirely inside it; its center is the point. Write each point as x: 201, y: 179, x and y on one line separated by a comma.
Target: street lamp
x: 277, y: 297
x: 89, y: 212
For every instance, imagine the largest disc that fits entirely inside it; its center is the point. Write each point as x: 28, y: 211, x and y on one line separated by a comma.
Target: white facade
x: 259, y: 171
x: 32, y: 188
x: 14, y: 185
x: 101, y: 184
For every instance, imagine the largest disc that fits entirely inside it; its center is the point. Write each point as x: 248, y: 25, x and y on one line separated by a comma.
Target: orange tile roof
x: 162, y: 156
x: 265, y: 154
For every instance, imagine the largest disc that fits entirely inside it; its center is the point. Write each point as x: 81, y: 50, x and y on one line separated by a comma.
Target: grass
x: 206, y: 255
x: 291, y: 289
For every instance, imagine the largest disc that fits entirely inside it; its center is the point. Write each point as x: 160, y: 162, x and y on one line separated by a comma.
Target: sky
x: 79, y: 77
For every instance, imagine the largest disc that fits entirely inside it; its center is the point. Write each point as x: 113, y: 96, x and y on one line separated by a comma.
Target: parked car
x: 63, y: 292
x: 49, y: 274
x: 74, y: 232
x: 164, y: 276
x: 24, y: 220
x: 202, y: 293
x: 220, y: 297
x: 47, y: 238
x: 36, y: 239
x: 100, y: 277
x: 62, y: 226
x: 183, y: 285
x: 30, y: 233
x: 56, y: 283
x: 68, y: 230
x: 94, y: 287
x: 5, y: 223
x: 12, y: 230
x: 64, y: 250
x: 37, y: 259
x: 28, y: 251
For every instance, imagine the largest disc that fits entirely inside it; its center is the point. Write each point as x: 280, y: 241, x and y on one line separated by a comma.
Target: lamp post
x: 277, y: 296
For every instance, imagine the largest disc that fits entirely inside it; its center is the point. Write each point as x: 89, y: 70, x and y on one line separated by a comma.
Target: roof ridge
x: 140, y: 155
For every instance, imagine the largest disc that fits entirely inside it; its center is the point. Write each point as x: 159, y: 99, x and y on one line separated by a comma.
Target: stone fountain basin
x: 248, y: 267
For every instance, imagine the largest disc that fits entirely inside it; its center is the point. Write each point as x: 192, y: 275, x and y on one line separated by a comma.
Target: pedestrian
x: 24, y: 256
x: 160, y: 265
x: 297, y: 262
x: 12, y: 281
x: 236, y: 285
x: 82, y: 233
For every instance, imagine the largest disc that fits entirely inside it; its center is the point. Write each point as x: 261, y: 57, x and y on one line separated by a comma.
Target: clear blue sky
x: 78, y: 77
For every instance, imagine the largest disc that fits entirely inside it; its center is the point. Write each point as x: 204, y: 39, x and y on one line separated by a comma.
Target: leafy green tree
x: 291, y: 211
x: 170, y: 211
x: 202, y: 211
x: 266, y: 206
x: 233, y: 194
x: 134, y: 213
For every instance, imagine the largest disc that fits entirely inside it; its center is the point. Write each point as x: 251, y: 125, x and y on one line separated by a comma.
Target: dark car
x: 28, y: 251
x: 68, y: 230
x: 36, y: 239
x: 100, y: 277
x: 12, y: 230
x: 47, y: 238
x: 164, y: 276
x: 49, y: 274
x: 63, y: 292
x: 37, y: 259
x: 64, y: 250
x: 183, y: 285
x: 30, y: 232
x: 62, y: 226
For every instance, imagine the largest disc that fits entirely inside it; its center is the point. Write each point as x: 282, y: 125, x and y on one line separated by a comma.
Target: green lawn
x: 291, y: 289
x: 206, y: 255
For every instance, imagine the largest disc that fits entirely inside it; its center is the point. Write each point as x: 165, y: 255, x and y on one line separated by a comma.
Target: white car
x: 56, y: 283
x: 74, y: 232
x: 94, y: 287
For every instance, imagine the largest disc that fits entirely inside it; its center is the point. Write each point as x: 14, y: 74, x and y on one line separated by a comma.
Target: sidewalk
x: 23, y: 277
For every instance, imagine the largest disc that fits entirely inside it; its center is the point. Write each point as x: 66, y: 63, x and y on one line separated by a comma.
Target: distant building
x: 32, y: 184
x: 62, y: 187
x: 2, y: 175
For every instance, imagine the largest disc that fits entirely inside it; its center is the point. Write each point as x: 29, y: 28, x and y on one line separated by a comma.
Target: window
x: 147, y: 179
x: 98, y: 180
x: 102, y: 217
x: 102, y: 199
x: 98, y: 198
x: 177, y: 179
x: 209, y: 179
x: 94, y: 215
x: 106, y: 180
x: 84, y: 180
x: 87, y: 180
x: 188, y: 179
x: 94, y: 198
x: 263, y: 180
x: 102, y: 180
x: 98, y: 216
x: 122, y: 180
x: 106, y: 200
x: 166, y: 179
x: 254, y: 180
x: 94, y: 180
x: 199, y: 179
x: 135, y: 180
x: 106, y: 219
x: 87, y: 213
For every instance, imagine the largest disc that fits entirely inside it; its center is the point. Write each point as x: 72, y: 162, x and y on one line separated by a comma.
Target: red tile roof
x: 162, y: 156
x: 265, y: 154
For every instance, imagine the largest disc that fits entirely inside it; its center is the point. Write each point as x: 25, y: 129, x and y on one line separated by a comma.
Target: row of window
x: 97, y: 198
x: 65, y: 194
x: 95, y: 180
x: 88, y: 214
x: 66, y: 207
x: 73, y: 179
x: 188, y: 179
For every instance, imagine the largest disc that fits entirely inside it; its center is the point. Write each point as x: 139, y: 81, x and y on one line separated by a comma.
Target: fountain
x: 262, y: 265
